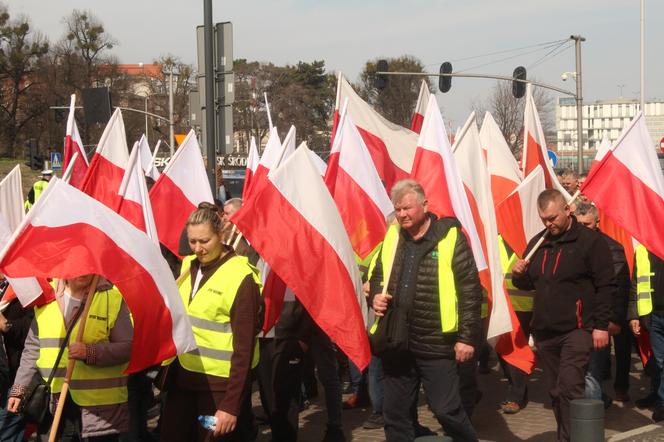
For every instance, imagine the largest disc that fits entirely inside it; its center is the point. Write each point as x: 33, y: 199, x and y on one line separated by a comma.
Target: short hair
x: 402, y: 187
x: 569, y: 173
x: 235, y: 202
x: 587, y: 209
x: 548, y: 196
x: 206, y: 213
x: 583, y: 175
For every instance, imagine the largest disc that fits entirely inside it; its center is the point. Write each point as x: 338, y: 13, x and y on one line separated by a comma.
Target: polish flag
x: 628, y: 186
x: 147, y: 159
x: 534, y: 146
x: 503, y: 168
x: 357, y: 190
x: 436, y: 170
x: 103, y: 178
x: 28, y: 290
x: 252, y: 163
x: 295, y: 204
x: 135, y: 204
x: 90, y: 238
x: 420, y: 107
x: 517, y: 215
x: 512, y: 344
x: 181, y: 187
x: 152, y: 170
x: 274, y: 153
x: 392, y: 147
x: 321, y: 166
x: 74, y: 144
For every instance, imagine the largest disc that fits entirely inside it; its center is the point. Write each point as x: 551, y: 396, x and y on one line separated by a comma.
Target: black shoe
x: 374, y: 422
x: 646, y: 402
x: 421, y: 430
x: 658, y: 414
x: 334, y: 434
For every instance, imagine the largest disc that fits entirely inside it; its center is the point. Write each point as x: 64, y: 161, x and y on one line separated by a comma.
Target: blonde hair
x: 206, y: 213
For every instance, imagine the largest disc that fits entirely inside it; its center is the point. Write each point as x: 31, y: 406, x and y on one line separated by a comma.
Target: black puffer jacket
x: 574, y: 281
x: 421, y: 301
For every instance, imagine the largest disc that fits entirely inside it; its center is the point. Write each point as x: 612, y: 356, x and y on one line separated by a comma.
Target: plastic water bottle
x: 208, y: 422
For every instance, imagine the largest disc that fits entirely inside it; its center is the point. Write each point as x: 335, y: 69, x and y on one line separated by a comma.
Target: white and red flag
x: 252, y: 163
x: 392, y: 147
x: 517, y: 215
x: 74, y: 144
x: 147, y: 158
x: 628, y: 186
x: 11, y: 198
x: 356, y: 188
x: 181, y: 187
x: 436, y: 170
x: 420, y: 107
x: 534, y: 146
x: 512, y: 344
x: 108, y: 164
x: 135, y: 204
x: 503, y: 168
x: 294, y: 204
x: 90, y: 238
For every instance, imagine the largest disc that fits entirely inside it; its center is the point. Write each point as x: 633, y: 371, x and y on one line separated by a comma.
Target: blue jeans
x: 355, y: 377
x: 11, y: 425
x: 657, y: 341
x: 376, y: 384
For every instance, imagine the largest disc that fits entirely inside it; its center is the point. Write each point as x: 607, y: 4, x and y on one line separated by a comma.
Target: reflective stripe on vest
x: 522, y: 300
x: 90, y: 385
x: 209, y: 315
x: 447, y: 294
x: 643, y: 288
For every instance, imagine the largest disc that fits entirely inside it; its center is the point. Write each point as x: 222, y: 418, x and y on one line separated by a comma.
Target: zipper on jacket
x: 579, y: 312
x: 544, y: 260
x: 555, y: 266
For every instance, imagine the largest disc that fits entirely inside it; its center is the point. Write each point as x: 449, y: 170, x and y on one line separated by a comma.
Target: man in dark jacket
x: 434, y: 288
x: 572, y: 275
x: 588, y: 215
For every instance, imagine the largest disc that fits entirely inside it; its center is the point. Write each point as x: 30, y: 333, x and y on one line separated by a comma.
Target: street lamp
x: 171, y: 121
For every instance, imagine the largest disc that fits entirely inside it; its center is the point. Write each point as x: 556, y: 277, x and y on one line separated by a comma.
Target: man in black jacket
x: 572, y: 275
x: 434, y: 287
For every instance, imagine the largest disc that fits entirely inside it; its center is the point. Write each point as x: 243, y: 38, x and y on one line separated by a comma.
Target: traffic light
x: 97, y: 105
x: 381, y: 79
x: 519, y: 87
x: 444, y: 82
x: 32, y: 158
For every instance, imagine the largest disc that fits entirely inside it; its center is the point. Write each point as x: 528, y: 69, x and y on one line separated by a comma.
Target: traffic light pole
x: 209, y: 96
x: 579, y: 101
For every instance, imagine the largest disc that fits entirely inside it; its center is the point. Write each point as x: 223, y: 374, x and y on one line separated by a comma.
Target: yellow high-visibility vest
x: 447, y: 294
x: 210, y: 316
x: 90, y: 385
x: 37, y: 189
x: 522, y: 300
x: 643, y: 287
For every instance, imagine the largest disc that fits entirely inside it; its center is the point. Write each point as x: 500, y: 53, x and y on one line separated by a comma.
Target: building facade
x: 599, y: 118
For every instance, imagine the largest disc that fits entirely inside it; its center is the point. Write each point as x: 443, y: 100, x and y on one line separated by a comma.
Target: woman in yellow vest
x: 96, y: 406
x: 222, y: 295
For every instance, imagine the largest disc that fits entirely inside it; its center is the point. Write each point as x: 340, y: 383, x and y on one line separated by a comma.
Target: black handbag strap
x: 64, y: 344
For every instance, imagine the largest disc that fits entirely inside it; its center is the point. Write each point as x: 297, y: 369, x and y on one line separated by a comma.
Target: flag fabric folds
x: 181, y: 187
x: 74, y: 144
x: 77, y: 235
x: 292, y: 222
x: 252, y: 163
x: 628, y: 186
x: 11, y: 198
x: 147, y: 158
x: 420, y: 107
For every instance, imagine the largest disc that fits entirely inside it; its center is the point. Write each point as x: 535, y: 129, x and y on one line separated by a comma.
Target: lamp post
x: 171, y: 123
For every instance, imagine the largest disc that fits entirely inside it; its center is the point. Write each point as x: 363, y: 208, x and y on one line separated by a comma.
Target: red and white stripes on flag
x: 77, y: 235
x: 503, y: 168
x: 512, y: 344
x: 420, y: 107
x: 628, y: 186
x: 135, y: 204
x: 292, y: 221
x: 74, y: 144
x: 517, y: 215
x: 436, y: 170
x: 108, y: 164
x: 391, y: 147
x: 252, y: 163
x: 356, y: 188
x: 181, y: 187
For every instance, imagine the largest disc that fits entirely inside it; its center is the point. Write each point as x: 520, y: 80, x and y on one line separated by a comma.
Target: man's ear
x: 425, y: 204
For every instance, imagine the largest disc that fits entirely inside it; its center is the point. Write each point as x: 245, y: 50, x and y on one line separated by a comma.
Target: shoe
x: 622, y: 395
x: 351, y: 402
x: 646, y: 402
x: 334, y: 434
x: 374, y: 422
x: 510, y: 407
x: 658, y: 414
x: 421, y: 430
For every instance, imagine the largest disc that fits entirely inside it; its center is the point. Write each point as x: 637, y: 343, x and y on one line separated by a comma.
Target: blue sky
x: 347, y: 33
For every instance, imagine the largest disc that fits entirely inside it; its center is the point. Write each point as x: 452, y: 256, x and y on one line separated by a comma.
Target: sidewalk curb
x: 635, y: 432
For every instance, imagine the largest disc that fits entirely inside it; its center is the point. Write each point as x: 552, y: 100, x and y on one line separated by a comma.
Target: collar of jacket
x: 436, y: 232
x: 571, y: 235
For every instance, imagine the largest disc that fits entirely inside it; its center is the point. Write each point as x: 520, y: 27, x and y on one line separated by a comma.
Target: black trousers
x: 564, y: 359
x: 286, y: 381
x: 517, y: 379
x: 623, y: 343
x: 439, y: 377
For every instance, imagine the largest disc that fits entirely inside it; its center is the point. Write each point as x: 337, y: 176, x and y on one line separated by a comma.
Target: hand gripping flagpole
x: 70, y: 365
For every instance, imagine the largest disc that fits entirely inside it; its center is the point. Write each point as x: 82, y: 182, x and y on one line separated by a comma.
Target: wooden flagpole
x: 70, y: 365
